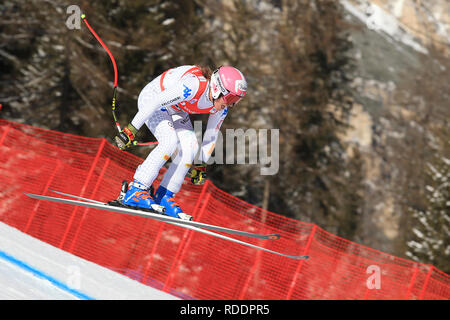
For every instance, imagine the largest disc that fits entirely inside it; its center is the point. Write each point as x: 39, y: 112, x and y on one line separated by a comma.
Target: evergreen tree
x: 430, y: 241
x: 243, y: 35
x: 318, y: 181
x: 296, y: 56
x: 416, y: 156
x: 38, y: 87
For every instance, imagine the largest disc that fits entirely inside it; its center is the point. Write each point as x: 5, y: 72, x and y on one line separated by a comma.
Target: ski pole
x: 113, y: 103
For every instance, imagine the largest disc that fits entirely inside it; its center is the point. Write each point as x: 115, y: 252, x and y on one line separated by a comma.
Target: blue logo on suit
x: 187, y: 91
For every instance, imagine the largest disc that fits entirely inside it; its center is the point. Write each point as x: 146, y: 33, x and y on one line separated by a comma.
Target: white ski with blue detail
x: 192, y: 225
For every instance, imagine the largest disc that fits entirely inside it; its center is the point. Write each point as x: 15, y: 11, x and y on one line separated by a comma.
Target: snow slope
x: 31, y: 269
x: 384, y: 23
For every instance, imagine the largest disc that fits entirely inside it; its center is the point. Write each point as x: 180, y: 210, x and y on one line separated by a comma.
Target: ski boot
x: 137, y: 196
x: 165, y: 198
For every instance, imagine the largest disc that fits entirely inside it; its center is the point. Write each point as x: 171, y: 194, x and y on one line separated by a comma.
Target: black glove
x: 125, y: 138
x: 198, y: 174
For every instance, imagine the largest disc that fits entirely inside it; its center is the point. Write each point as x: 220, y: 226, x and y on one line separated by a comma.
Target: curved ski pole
x: 114, y: 100
x: 113, y: 103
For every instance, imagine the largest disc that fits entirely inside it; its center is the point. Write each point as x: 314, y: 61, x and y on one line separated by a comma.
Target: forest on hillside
x: 298, y: 58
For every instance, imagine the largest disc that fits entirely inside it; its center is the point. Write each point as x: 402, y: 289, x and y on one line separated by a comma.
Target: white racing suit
x: 164, y: 106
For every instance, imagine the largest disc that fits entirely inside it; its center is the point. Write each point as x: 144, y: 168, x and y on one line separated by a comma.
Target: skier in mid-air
x: 164, y: 105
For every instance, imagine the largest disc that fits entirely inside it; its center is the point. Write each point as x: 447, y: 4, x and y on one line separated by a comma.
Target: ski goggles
x: 231, y: 98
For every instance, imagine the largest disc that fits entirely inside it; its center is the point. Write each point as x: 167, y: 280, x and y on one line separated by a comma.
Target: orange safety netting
x: 186, y: 263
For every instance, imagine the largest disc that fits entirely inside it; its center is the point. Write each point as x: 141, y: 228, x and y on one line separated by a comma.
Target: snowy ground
x: 32, y: 270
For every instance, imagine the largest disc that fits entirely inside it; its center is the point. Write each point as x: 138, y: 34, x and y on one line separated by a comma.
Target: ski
x: 76, y: 197
x: 148, y: 214
x: 196, y: 226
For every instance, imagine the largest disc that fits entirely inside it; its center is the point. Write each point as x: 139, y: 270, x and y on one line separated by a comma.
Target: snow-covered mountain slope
x: 386, y: 24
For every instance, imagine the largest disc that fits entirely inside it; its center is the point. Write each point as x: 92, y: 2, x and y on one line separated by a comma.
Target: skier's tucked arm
x: 211, y: 133
x: 198, y: 172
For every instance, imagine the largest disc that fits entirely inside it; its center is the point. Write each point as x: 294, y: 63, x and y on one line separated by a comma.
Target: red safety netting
x: 188, y: 264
